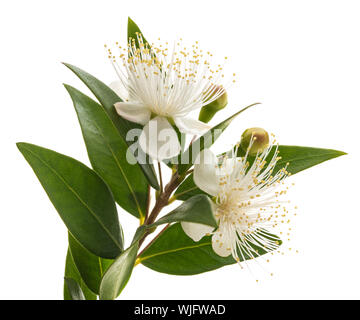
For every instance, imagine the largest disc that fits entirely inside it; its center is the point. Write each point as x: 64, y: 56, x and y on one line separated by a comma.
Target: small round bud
x: 208, y: 111
x: 260, y: 140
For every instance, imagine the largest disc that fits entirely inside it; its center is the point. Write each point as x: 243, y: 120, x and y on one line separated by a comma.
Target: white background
x: 301, y: 59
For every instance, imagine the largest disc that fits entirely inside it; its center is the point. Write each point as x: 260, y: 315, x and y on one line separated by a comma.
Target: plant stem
x: 160, y: 177
x: 162, y: 201
x: 157, y: 236
x: 148, y: 201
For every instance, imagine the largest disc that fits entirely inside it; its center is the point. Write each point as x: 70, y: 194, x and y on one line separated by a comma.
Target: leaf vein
x: 173, y: 250
x: 122, y: 172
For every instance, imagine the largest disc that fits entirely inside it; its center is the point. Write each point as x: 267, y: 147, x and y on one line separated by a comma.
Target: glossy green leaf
x: 140, y: 232
x: 74, y: 289
x: 187, y: 158
x: 298, y: 158
x: 187, y: 189
x: 301, y: 158
x: 197, y: 209
x: 132, y: 31
x: 175, y: 253
x: 72, y: 272
x: 83, y: 201
x: 108, y: 155
x: 91, y: 267
x: 107, y: 98
x: 118, y: 274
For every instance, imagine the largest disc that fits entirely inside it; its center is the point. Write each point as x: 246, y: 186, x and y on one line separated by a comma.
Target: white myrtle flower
x: 159, y: 89
x: 246, y: 203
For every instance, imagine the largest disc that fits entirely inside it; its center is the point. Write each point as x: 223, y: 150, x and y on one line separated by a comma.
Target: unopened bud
x: 260, y: 140
x: 208, y: 111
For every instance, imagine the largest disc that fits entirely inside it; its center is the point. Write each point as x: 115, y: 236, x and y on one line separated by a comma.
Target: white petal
x: 221, y: 243
x: 228, y: 166
x: 118, y: 88
x: 196, y: 230
x: 191, y: 126
x: 133, y: 112
x: 159, y: 139
x: 205, y: 172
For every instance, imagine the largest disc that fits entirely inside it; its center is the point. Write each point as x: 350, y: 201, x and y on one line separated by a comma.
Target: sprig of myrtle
x: 97, y: 264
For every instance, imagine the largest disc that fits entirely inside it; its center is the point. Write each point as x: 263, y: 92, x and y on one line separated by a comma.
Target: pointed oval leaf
x: 108, y: 155
x: 91, y: 267
x: 132, y: 31
x: 197, y: 209
x: 72, y: 272
x: 301, y: 158
x: 298, y: 158
x: 83, y: 201
x: 107, y: 98
x: 118, y: 274
x: 187, y: 189
x: 74, y: 289
x: 173, y: 252
x: 185, y: 160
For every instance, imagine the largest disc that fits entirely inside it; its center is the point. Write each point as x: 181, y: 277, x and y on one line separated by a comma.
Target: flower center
x: 234, y: 212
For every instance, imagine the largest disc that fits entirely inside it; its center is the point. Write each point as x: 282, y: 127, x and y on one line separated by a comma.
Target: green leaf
x: 74, y: 289
x: 107, y: 98
x: 108, y: 155
x: 133, y: 29
x: 140, y: 232
x: 72, y: 272
x: 187, y: 158
x: 197, y: 209
x: 91, y: 267
x: 82, y: 199
x: 118, y: 274
x: 187, y: 189
x: 173, y: 252
x: 299, y: 158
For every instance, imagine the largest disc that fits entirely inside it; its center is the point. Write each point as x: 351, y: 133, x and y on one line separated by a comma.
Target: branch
x: 162, y: 201
x: 160, y: 177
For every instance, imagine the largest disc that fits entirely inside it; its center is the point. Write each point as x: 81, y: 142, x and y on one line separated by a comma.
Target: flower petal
x: 228, y: 166
x: 118, y: 88
x: 205, y: 172
x: 196, y: 230
x: 221, y: 243
x: 133, y: 112
x: 191, y: 126
x: 159, y: 139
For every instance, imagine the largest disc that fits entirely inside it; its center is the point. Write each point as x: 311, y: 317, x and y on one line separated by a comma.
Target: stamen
x: 169, y: 84
x: 247, y: 204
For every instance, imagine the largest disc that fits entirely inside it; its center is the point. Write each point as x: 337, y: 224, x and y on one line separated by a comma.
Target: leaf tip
x: 20, y: 145
x: 71, y: 90
x: 131, y: 22
x: 338, y: 153
x: 68, y: 65
x: 67, y: 86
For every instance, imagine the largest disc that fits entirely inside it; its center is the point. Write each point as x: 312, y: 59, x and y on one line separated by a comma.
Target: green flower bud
x: 208, y: 111
x: 260, y: 140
